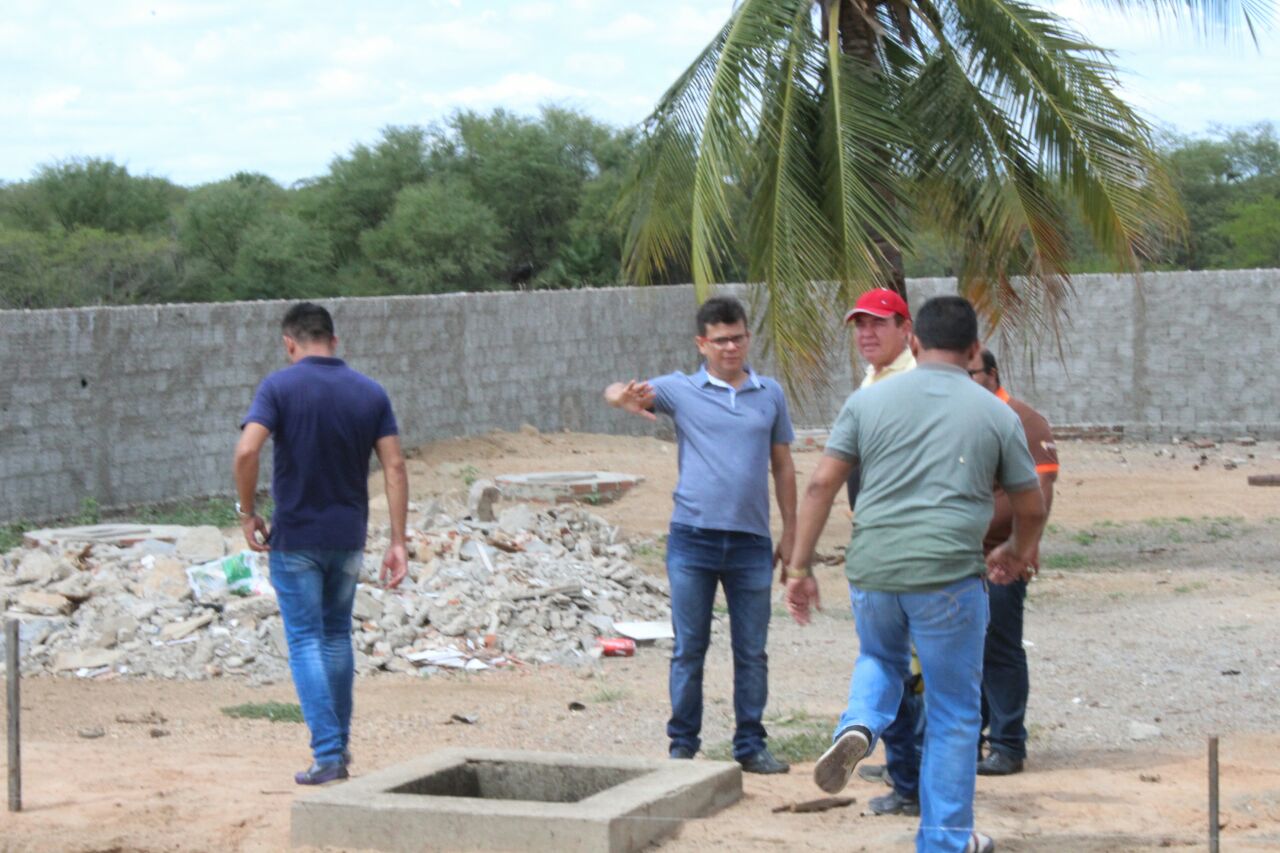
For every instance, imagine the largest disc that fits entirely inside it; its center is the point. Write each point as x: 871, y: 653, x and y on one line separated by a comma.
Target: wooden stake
x: 1213, y: 794
x: 15, y: 710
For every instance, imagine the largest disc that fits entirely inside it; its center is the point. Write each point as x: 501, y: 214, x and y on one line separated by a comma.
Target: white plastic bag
x: 242, y: 574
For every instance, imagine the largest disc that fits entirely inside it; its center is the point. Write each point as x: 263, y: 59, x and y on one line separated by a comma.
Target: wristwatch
x: 798, y: 572
x: 240, y: 512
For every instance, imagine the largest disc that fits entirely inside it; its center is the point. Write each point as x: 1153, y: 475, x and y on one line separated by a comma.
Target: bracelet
x: 799, y: 572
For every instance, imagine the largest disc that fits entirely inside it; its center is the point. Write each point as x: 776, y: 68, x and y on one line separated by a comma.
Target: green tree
x: 213, y: 221
x: 86, y: 266
x: 841, y: 122
x: 281, y: 257
x: 360, y: 189
x: 1219, y: 178
x: 437, y: 239
x: 1252, y: 234
x: 96, y: 193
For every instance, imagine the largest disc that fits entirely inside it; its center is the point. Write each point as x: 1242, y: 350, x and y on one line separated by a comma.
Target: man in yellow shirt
x: 882, y: 333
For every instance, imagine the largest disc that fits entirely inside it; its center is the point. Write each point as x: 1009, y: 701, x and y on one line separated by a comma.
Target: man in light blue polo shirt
x: 931, y: 443
x: 732, y: 427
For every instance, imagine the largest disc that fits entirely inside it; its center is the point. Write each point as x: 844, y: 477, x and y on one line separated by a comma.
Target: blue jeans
x: 1004, y: 673
x: 316, y: 590
x: 947, y: 627
x: 904, y: 743
x: 697, y: 560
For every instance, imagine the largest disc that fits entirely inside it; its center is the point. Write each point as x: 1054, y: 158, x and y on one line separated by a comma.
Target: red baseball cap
x: 880, y: 302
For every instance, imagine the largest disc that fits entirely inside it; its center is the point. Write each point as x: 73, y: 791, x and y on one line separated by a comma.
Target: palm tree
x: 810, y: 137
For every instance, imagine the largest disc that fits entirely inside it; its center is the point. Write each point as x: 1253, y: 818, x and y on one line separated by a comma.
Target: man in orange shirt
x: 1005, y: 683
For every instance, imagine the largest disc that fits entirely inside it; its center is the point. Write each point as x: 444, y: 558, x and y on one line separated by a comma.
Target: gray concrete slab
x: 489, y: 799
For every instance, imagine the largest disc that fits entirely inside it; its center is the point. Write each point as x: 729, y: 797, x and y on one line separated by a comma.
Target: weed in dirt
x: 608, y: 694
x: 1085, y: 538
x: 1066, y: 561
x: 90, y: 513
x: 469, y: 474
x: 1190, y: 587
x: 276, y: 712
x: 11, y: 534
x: 217, y: 512
x: 198, y: 512
x: 802, y: 739
x: 594, y: 499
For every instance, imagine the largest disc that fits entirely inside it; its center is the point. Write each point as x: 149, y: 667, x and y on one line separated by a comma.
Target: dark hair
x: 720, y: 310
x: 947, y: 323
x: 307, y: 322
x: 988, y: 362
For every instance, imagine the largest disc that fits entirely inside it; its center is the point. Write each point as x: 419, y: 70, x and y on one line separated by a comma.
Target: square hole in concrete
x: 459, y: 799
x: 518, y: 780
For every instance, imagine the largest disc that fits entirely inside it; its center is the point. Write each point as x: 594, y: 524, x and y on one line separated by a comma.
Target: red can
x: 616, y: 647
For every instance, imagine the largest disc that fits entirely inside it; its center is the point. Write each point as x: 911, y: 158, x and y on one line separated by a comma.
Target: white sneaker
x: 979, y: 843
x: 834, y: 768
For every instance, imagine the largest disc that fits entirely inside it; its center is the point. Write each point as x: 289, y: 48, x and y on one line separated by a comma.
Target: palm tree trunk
x: 858, y: 39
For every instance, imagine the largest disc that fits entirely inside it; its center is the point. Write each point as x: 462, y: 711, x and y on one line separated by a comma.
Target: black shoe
x: 681, y: 752
x: 893, y: 803
x: 834, y: 768
x: 322, y: 774
x: 999, y: 764
x: 763, y: 762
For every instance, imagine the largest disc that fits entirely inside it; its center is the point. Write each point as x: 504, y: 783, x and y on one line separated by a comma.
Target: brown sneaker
x: 836, y: 765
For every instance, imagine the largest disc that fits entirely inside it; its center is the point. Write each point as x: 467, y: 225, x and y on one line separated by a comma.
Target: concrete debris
x: 529, y: 585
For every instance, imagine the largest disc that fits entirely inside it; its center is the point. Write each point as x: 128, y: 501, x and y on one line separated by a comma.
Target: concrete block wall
x: 138, y: 405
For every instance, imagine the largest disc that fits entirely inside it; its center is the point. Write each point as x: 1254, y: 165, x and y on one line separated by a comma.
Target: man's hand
x: 634, y: 396
x: 253, y: 527
x: 1004, y: 565
x: 802, y: 593
x: 395, y: 565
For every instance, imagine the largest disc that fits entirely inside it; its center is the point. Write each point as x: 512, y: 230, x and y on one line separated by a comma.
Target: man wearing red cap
x: 882, y: 331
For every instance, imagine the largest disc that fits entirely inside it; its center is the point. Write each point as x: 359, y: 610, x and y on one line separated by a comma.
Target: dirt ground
x: 1159, y: 604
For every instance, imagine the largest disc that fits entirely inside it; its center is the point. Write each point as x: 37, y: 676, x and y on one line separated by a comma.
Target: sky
x: 196, y: 91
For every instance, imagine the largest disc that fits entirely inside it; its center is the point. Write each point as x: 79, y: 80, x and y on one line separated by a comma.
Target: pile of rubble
x: 530, y: 586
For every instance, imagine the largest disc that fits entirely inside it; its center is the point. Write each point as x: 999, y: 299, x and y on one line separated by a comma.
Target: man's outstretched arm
x: 802, y: 588
x: 395, y: 564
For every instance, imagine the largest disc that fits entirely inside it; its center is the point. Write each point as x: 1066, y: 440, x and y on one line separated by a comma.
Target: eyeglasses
x: 726, y: 342
x: 973, y: 373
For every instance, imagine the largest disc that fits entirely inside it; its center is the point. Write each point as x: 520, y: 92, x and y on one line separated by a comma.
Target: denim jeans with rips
x: 316, y: 591
x: 947, y: 627
x: 699, y: 560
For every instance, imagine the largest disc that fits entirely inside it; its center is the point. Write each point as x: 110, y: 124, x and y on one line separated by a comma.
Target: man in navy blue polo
x: 732, y: 427
x: 325, y: 420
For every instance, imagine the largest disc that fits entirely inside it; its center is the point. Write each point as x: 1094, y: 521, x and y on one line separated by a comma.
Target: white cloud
x: 484, y: 32
x: 53, y: 101
x: 537, y: 11
x: 596, y: 64
x: 694, y: 26
x: 365, y: 51
x: 628, y: 26
x: 339, y: 83
x: 522, y: 90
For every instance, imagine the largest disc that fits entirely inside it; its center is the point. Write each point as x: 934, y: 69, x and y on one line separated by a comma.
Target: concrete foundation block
x: 478, y: 799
